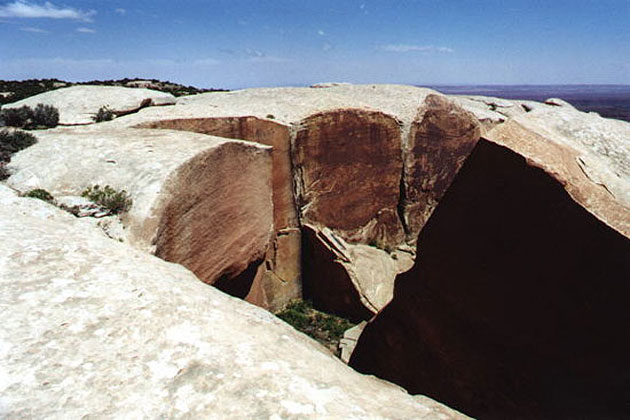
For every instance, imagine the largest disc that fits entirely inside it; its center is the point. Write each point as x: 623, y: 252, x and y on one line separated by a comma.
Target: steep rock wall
x: 516, y: 305
x: 348, y: 167
x: 209, y: 212
x: 441, y: 138
x: 278, y: 280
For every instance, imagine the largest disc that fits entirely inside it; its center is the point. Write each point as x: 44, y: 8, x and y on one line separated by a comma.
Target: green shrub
x: 45, y: 116
x: 326, y: 328
x: 12, y: 141
x: 25, y: 117
x: 17, y: 117
x: 4, y: 172
x: 104, y: 114
x: 40, y: 194
x: 115, y: 201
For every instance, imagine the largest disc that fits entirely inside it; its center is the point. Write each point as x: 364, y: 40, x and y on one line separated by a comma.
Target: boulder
x: 350, y: 280
x: 79, y: 104
x: 94, y: 328
x: 515, y: 303
x: 201, y: 201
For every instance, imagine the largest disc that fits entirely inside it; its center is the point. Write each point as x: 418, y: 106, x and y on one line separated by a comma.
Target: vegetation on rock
x: 16, y: 90
x: 104, y: 114
x: 46, y: 116
x: 326, y: 328
x: 12, y: 141
x: 40, y: 194
x: 116, y: 202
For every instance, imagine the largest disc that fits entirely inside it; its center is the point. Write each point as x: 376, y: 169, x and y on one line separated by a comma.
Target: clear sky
x: 237, y: 43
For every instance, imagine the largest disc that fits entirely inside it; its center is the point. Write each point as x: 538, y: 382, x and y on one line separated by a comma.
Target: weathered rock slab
x: 92, y: 327
x: 79, y: 104
x: 201, y: 201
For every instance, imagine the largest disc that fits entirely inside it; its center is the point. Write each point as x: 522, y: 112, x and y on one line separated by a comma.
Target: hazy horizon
x: 238, y: 44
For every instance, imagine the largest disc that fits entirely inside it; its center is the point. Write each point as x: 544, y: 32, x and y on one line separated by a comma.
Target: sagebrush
x: 43, y: 116
x: 40, y: 194
x: 116, y: 202
x: 12, y: 141
x: 104, y: 114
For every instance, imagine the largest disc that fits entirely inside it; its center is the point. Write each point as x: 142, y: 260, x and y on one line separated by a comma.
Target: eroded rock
x: 279, y: 278
x: 92, y: 327
x: 348, y: 168
x: 201, y: 201
x: 441, y: 138
x: 79, y: 104
x: 517, y: 298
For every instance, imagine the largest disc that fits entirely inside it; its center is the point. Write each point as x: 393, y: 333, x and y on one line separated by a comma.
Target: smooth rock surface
x: 79, y: 104
x: 201, y: 201
x: 94, y: 328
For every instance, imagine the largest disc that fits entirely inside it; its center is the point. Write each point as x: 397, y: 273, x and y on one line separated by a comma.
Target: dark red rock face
x: 440, y: 140
x: 218, y: 223
x: 349, y: 166
x: 278, y: 279
x: 517, y: 306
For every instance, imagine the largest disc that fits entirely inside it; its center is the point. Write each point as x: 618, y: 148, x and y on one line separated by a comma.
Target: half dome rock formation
x: 94, y: 328
x: 79, y: 104
x: 201, y: 201
x: 516, y: 306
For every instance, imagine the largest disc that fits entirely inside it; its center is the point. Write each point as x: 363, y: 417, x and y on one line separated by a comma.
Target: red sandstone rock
x: 441, y: 138
x: 517, y: 303
x: 348, y: 168
x: 278, y: 280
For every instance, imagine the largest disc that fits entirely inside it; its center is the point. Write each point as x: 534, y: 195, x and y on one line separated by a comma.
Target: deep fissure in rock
x: 517, y: 304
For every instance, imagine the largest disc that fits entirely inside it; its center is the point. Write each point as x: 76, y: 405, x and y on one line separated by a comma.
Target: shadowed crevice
x: 517, y: 306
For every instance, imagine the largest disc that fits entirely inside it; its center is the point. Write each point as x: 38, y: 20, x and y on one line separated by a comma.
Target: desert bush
x: 17, y: 117
x: 40, y: 194
x: 107, y: 197
x: 25, y: 117
x: 104, y: 114
x: 326, y: 328
x: 45, y: 116
x: 12, y: 141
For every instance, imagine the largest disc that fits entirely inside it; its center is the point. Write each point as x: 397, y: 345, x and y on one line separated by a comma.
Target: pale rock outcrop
x: 344, y: 159
x: 79, y: 104
x: 94, y: 328
x: 515, y: 303
x: 201, y: 201
x: 349, y: 341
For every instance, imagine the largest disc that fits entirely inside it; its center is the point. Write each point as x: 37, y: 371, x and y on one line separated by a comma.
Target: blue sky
x: 236, y: 43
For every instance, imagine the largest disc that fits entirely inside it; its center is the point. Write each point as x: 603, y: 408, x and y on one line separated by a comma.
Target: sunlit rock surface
x: 80, y: 104
x: 94, y: 328
x: 201, y: 201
